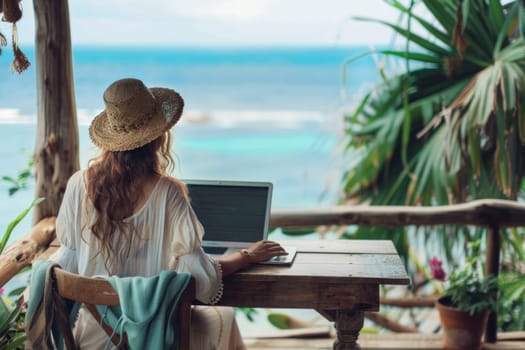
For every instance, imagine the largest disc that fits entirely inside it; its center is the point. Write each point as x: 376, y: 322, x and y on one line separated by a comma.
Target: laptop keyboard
x: 215, y: 250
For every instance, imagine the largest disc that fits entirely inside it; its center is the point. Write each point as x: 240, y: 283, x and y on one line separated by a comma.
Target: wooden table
x: 338, y: 278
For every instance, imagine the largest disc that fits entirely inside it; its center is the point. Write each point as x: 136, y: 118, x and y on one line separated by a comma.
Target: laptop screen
x: 233, y: 213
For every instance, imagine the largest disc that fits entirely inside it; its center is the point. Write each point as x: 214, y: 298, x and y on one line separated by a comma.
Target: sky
x: 219, y: 22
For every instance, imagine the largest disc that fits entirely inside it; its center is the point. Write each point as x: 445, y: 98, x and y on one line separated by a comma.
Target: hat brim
x: 169, y: 107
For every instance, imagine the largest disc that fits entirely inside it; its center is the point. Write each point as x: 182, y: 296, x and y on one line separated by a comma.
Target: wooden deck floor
x: 406, y: 341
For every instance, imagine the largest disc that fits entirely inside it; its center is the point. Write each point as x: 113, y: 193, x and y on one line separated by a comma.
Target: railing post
x: 492, y: 267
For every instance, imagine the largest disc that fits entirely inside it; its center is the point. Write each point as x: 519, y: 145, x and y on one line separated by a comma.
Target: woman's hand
x: 262, y: 251
x: 257, y: 252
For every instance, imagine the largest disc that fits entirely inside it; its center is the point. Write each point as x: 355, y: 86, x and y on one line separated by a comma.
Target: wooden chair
x: 98, y: 291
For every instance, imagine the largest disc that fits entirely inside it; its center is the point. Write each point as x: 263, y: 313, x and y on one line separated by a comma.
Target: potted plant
x: 466, y: 300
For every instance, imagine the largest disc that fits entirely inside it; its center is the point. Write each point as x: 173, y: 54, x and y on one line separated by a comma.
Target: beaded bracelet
x: 245, y: 253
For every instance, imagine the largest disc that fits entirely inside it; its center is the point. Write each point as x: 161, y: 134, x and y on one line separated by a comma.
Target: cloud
x: 237, y: 10
x: 221, y: 22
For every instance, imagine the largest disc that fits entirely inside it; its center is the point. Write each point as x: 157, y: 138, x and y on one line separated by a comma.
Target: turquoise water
x: 258, y: 78
x: 298, y: 163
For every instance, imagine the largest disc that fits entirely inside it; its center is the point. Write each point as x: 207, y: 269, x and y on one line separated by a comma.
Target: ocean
x: 259, y: 114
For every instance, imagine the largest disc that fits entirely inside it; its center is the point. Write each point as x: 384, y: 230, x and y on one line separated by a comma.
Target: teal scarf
x: 146, y: 309
x: 41, y: 323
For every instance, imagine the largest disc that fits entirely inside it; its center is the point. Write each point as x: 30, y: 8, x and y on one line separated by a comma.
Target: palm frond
x: 452, y: 127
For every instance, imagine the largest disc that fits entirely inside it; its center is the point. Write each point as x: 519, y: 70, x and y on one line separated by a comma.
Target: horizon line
x: 216, y: 46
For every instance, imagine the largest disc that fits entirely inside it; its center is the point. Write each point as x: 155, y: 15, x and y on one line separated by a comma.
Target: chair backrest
x: 98, y: 291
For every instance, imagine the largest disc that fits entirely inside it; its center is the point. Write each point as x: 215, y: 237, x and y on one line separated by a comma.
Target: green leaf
x: 413, y: 56
x: 474, y: 151
x: 443, y: 12
x: 513, y: 287
x: 433, y: 30
x: 25, y: 174
x: 8, y: 179
x: 406, y: 124
x: 281, y: 321
x: 514, y: 52
x: 521, y: 22
x: 24, y: 269
x: 429, y: 160
x: 354, y: 118
x: 497, y: 12
x: 479, y: 27
x: 501, y: 159
x: 16, y: 292
x: 521, y: 117
x: 410, y: 36
x: 298, y: 231
x: 15, y: 222
x: 465, y: 9
x: 17, y: 342
x: 248, y: 312
x: 509, y: 19
x: 515, y: 241
x: 6, y: 322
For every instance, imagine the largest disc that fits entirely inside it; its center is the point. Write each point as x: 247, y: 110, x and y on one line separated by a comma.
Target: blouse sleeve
x: 185, y: 247
x: 207, y: 273
x: 66, y: 226
x: 185, y: 228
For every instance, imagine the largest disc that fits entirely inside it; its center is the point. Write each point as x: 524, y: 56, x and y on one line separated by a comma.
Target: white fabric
x: 212, y: 328
x: 170, y: 238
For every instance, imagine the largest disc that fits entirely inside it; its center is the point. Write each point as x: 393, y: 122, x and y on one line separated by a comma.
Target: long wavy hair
x: 115, y: 186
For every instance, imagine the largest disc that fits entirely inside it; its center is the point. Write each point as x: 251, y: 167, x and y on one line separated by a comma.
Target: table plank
x: 308, y: 294
x: 331, y: 268
x: 342, y: 246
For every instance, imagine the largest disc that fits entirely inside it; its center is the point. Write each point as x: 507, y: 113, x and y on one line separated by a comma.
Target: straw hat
x: 134, y: 115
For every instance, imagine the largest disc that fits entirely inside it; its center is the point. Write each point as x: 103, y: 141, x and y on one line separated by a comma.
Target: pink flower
x: 435, y: 262
x: 436, y: 269
x: 1, y: 290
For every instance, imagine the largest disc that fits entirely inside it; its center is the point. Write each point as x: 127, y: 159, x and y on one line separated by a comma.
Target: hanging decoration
x: 12, y: 12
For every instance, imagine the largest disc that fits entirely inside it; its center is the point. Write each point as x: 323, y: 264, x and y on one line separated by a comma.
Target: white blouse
x: 168, y: 236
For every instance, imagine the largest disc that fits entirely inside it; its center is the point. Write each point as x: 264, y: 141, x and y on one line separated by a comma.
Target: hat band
x: 133, y: 126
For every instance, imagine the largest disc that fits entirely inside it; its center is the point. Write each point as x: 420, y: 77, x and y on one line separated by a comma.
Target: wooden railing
x: 493, y: 214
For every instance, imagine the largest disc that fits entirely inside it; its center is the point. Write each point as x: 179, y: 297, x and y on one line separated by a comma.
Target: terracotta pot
x: 461, y: 331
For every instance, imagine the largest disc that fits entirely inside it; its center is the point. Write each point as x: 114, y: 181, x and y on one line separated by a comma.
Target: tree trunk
x: 23, y: 252
x: 56, y: 146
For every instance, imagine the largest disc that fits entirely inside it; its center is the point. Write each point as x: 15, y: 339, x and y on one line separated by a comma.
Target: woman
x: 124, y: 216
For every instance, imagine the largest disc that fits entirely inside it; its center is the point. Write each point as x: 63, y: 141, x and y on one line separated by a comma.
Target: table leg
x: 348, y: 324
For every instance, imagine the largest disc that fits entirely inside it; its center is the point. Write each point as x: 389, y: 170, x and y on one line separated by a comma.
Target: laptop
x: 234, y: 215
